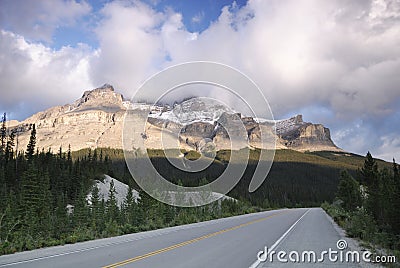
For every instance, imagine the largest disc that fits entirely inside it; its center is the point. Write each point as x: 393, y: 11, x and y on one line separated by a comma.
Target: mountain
x: 298, y: 135
x: 96, y: 120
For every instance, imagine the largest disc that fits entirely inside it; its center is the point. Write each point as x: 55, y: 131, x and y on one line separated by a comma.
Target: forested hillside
x: 367, y: 205
x: 43, y: 199
x: 44, y: 194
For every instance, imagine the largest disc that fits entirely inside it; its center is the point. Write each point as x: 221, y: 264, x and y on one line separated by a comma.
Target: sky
x: 336, y: 62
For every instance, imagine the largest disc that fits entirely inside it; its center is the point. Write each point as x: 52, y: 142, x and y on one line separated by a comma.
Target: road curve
x: 229, y: 242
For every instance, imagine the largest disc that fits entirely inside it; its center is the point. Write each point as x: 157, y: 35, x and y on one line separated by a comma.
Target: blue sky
x: 335, y: 62
x: 197, y: 16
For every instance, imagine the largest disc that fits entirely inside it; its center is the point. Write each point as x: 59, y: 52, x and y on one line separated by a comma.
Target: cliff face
x: 303, y: 136
x: 103, y: 98
x: 96, y: 120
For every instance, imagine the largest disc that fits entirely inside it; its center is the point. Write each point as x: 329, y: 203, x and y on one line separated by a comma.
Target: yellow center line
x: 118, y: 264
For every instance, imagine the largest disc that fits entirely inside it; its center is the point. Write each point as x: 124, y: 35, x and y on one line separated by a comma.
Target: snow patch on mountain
x: 197, y: 197
x: 193, y: 110
x: 287, y: 125
x: 208, y: 110
x: 104, y: 189
x: 122, y: 189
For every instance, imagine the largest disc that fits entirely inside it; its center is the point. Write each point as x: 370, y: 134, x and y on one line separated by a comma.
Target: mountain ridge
x: 96, y: 120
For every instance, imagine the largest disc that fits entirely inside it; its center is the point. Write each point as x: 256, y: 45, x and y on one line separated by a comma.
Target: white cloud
x: 130, y: 45
x: 198, y: 17
x: 390, y: 148
x: 343, y: 56
x: 37, y: 20
x: 34, y: 77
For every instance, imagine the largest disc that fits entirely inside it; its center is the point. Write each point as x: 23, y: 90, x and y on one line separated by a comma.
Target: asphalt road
x: 230, y: 242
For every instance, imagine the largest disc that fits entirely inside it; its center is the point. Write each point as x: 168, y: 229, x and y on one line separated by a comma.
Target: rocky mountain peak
x: 106, y: 87
x: 298, y: 119
x: 102, y: 97
x: 100, y: 91
x: 192, y: 110
x: 287, y: 125
x: 302, y: 136
x: 97, y: 119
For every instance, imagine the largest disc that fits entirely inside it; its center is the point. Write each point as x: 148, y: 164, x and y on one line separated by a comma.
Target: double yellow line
x: 141, y: 257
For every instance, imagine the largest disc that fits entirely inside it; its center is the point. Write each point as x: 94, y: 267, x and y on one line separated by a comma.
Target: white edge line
x: 157, y: 232
x: 257, y: 262
x: 140, y: 237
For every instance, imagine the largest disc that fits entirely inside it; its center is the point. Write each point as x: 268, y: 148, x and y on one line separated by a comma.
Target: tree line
x: 44, y: 199
x: 43, y: 194
x: 368, y: 205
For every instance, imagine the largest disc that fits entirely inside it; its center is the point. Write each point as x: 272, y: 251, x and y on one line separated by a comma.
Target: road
x: 229, y: 242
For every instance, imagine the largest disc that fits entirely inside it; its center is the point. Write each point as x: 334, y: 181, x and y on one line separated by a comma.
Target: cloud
x: 390, y: 148
x: 335, y: 61
x: 34, y: 77
x: 37, y: 20
x: 130, y: 45
x: 343, y: 56
x: 321, y: 54
x: 198, y: 17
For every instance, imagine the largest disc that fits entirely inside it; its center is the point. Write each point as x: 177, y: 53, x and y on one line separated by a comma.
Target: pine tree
x: 146, y: 211
x: 394, y: 220
x: 130, y: 207
x: 75, y: 181
x: 369, y: 171
x: 9, y: 221
x: 94, y: 158
x: 30, y: 196
x: 385, y: 197
x: 30, y: 150
x: 111, y: 204
x: 374, y: 187
x: 348, y: 191
x: 101, y: 156
x: 81, y: 211
x: 60, y: 222
x: 45, y: 205
x: 69, y: 156
x: 60, y: 153
x: 9, y: 151
x: 3, y: 156
x: 3, y: 135
x: 112, y: 213
x: 395, y: 169
x: 96, y: 210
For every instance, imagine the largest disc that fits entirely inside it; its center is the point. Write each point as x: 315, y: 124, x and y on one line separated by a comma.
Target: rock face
x: 196, y: 134
x: 103, y: 98
x: 96, y: 120
x: 302, y: 136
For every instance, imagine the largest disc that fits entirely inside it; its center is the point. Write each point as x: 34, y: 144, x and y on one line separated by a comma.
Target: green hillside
x: 295, y: 179
x: 36, y: 187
